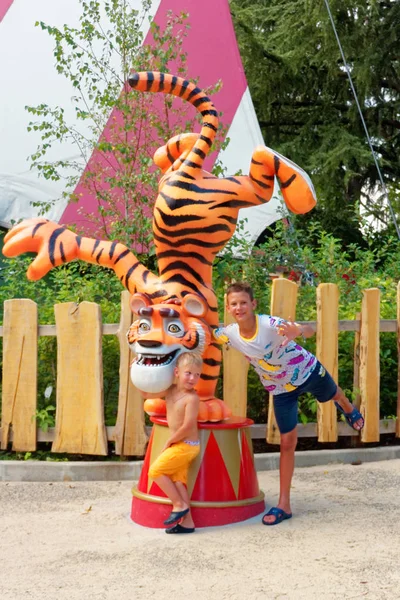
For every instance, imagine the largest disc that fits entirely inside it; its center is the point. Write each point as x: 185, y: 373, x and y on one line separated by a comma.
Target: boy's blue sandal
x: 351, y: 417
x: 279, y: 514
x: 176, y: 516
x: 179, y: 529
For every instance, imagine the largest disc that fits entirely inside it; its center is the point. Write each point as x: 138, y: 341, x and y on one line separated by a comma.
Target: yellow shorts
x: 174, y: 462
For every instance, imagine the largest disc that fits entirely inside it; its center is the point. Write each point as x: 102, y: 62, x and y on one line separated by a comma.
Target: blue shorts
x: 320, y: 384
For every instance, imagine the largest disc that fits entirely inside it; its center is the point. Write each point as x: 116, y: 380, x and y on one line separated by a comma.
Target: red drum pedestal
x: 222, y: 481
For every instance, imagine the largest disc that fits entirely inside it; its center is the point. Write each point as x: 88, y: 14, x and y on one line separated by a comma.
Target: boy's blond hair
x: 189, y: 358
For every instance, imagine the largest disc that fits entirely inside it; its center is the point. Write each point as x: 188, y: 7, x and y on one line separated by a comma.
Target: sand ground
x: 70, y: 541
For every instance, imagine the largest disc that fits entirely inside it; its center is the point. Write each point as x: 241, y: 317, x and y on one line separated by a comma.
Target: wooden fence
x: 80, y: 426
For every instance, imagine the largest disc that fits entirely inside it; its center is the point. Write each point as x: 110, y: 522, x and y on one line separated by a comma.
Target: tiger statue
x: 194, y: 217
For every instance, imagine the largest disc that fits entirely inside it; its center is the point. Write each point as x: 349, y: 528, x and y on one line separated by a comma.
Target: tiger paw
x: 296, y: 186
x: 213, y: 410
x: 53, y: 245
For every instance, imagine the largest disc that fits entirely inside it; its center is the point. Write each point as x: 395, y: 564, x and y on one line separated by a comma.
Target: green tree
x: 305, y: 104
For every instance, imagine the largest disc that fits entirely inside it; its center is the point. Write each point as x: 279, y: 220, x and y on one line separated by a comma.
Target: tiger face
x: 160, y: 334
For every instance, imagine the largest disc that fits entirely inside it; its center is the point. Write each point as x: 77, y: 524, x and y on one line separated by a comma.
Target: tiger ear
x: 139, y: 301
x: 194, y: 305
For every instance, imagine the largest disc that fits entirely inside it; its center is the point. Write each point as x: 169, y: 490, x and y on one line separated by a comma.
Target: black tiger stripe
x: 268, y: 177
x: 129, y: 273
x: 233, y: 179
x: 78, y: 240
x: 173, y: 220
x: 179, y: 278
x: 232, y: 220
x: 38, y: 226
x: 209, y: 112
x: 231, y: 204
x: 288, y: 182
x: 191, y: 164
x: 181, y: 254
x: 194, y: 93
x: 256, y: 162
x: 263, y: 185
x: 122, y: 255
x: 99, y: 255
x: 97, y: 242
x: 170, y: 157
x: 200, y: 101
x: 211, y: 126
x: 178, y: 143
x: 173, y: 203
x: 161, y: 83
x: 184, y: 85
x: 112, y: 249
x: 62, y: 253
x: 150, y: 79
x: 208, y: 377
x: 145, y: 275
x: 192, y: 187
x: 206, y: 139
x: 158, y: 294
x: 185, y: 268
x: 211, y: 362
x: 277, y: 163
x: 199, y: 152
x: 186, y: 175
x: 193, y: 230
x: 174, y: 81
x: 190, y: 241
x: 52, y: 243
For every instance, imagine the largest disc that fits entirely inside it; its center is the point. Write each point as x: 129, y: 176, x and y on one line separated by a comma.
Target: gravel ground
x: 75, y: 541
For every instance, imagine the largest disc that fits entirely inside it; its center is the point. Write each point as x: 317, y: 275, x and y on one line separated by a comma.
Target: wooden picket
x: 327, y: 354
x: 80, y: 427
x: 130, y: 435
x: 369, y: 364
x: 19, y: 403
x: 236, y: 368
x: 283, y: 304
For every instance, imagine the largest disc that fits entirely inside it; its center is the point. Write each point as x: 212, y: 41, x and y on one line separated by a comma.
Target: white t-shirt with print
x: 281, y: 369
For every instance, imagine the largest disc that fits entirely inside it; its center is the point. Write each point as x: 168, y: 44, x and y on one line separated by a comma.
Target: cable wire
x: 362, y: 119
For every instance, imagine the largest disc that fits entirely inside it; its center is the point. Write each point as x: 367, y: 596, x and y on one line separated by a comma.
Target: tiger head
x: 160, y: 334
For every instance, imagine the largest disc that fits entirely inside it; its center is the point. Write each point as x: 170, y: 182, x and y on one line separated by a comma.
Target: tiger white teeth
x: 154, y: 360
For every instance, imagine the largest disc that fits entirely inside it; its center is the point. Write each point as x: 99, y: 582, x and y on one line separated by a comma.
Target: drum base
x: 152, y: 514
x: 222, y: 481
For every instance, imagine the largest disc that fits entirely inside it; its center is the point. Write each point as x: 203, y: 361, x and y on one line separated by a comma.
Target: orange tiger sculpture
x: 195, y: 215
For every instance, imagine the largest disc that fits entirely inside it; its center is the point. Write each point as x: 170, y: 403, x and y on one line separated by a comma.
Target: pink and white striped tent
x: 28, y: 77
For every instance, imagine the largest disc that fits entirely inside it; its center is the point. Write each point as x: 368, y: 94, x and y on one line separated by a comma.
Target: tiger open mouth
x: 155, y: 360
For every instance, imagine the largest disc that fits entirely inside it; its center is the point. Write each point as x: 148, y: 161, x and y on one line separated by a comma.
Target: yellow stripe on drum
x: 158, y: 500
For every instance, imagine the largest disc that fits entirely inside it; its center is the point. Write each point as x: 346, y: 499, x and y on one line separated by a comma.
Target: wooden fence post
x: 19, y: 398
x: 283, y: 304
x: 130, y: 434
x: 236, y: 370
x: 369, y: 364
x: 80, y: 425
x: 327, y: 354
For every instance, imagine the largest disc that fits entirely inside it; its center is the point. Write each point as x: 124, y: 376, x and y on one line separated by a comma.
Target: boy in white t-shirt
x: 286, y: 370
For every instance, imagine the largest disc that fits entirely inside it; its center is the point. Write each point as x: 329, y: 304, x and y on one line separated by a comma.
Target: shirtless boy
x: 170, y: 469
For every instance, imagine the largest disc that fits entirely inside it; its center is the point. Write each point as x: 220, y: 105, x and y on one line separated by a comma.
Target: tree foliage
x: 305, y: 105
